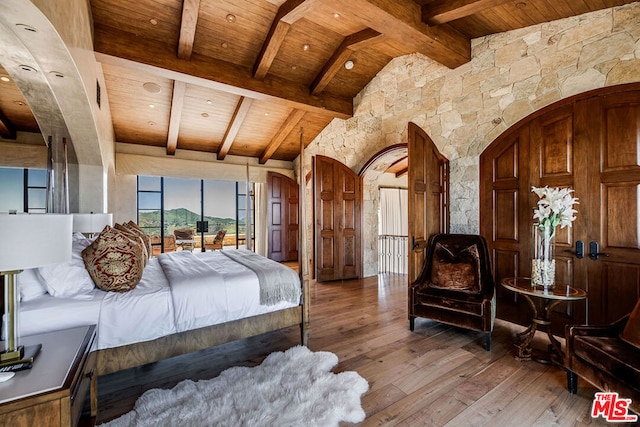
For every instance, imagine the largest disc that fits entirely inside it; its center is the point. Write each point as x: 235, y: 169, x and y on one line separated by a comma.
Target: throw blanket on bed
x: 277, y: 282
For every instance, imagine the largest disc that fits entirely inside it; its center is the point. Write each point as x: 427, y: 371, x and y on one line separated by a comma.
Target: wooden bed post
x: 302, y: 253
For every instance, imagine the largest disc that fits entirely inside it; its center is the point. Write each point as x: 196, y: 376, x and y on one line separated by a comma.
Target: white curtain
x: 394, y: 215
x: 261, y: 228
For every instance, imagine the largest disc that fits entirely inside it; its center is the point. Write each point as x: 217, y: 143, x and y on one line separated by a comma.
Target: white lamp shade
x: 34, y: 240
x: 91, y: 222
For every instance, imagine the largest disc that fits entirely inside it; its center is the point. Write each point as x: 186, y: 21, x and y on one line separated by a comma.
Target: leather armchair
x: 455, y: 285
x: 598, y: 355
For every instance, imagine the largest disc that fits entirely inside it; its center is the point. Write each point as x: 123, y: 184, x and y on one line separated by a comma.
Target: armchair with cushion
x: 606, y: 356
x: 456, y: 284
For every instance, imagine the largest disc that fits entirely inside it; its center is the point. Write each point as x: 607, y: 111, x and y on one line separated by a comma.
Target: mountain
x: 184, y: 218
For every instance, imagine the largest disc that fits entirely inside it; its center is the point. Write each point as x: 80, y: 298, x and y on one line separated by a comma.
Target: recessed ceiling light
x: 231, y: 18
x: 336, y: 15
x: 306, y: 47
x: 152, y: 106
x: 266, y: 113
x: 294, y: 67
x: 151, y: 87
x: 153, y: 21
x: 20, y: 103
x: 151, y: 123
x: 521, y: 4
x: 5, y: 79
x: 205, y: 115
x: 224, y: 45
x: 209, y: 101
x: 57, y: 74
x: 28, y: 68
x: 349, y: 64
x: 27, y: 28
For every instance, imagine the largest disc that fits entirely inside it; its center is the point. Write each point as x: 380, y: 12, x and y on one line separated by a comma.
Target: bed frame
x: 137, y: 354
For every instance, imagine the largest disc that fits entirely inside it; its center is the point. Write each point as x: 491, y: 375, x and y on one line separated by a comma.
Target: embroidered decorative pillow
x: 114, y: 261
x: 136, y: 237
x: 460, y: 272
x: 147, y: 240
x: 631, y: 331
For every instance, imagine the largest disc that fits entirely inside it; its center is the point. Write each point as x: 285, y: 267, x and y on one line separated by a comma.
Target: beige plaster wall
x: 463, y: 110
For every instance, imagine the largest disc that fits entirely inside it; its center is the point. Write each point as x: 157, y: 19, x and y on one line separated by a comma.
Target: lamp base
x: 25, y: 357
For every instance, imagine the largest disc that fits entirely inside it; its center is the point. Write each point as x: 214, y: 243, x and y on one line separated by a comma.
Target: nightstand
x: 53, y: 391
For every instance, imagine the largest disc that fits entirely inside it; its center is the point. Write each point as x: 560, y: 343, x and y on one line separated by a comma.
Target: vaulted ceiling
x: 242, y: 77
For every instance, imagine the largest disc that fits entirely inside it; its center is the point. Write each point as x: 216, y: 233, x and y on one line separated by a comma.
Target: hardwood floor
x: 435, y: 376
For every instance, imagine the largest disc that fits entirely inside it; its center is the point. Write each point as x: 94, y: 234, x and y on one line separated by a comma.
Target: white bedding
x: 157, y: 306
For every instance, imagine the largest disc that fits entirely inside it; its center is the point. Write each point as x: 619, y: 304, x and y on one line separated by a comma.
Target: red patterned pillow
x: 134, y: 235
x: 114, y: 261
x: 147, y: 240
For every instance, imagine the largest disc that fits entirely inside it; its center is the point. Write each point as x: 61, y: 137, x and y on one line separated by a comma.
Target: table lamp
x: 91, y: 223
x: 27, y: 241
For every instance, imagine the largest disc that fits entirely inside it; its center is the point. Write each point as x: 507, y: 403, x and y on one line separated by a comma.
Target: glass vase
x: 543, y: 263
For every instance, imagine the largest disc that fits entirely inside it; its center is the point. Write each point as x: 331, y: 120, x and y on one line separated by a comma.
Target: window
x: 167, y: 204
x: 23, y: 190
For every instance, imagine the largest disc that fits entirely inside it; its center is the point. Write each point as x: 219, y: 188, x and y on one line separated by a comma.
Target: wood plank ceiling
x: 241, y: 77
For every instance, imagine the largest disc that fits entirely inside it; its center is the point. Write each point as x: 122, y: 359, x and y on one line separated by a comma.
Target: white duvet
x: 213, y: 289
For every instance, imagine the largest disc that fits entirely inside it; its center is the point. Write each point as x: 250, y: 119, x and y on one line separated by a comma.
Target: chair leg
x: 487, y: 341
x: 412, y: 322
x: 572, y: 382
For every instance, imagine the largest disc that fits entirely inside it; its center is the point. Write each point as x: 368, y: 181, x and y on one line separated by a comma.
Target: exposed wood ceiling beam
x: 190, y: 11
x: 402, y: 172
x: 7, y: 130
x: 289, y: 124
x: 177, y: 102
x: 349, y: 45
x: 117, y: 48
x: 234, y: 126
x: 402, y: 21
x: 442, y: 11
x: 288, y: 13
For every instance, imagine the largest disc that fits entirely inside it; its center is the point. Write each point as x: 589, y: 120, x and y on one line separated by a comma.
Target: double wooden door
x: 283, y: 217
x: 590, y: 143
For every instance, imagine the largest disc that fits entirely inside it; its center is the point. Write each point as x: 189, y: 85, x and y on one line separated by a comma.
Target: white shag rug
x: 291, y: 388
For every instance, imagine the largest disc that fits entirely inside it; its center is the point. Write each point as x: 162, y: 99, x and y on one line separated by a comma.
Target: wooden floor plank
x: 436, y: 375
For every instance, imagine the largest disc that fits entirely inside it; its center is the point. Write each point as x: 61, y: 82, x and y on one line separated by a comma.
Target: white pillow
x: 30, y: 284
x: 69, y: 279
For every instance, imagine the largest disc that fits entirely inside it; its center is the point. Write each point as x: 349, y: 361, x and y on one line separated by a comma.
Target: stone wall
x: 463, y: 110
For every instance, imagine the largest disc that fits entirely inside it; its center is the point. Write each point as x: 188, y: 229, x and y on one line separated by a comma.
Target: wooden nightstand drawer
x: 52, y: 393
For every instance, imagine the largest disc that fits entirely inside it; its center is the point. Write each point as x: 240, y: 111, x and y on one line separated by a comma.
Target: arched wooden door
x: 590, y: 143
x: 337, y: 214
x: 428, y: 178
x: 283, y: 221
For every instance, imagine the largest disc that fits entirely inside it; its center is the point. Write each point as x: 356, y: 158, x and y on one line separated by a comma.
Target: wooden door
x: 613, y: 129
x: 337, y: 211
x: 282, y: 217
x: 428, y: 178
x: 590, y: 143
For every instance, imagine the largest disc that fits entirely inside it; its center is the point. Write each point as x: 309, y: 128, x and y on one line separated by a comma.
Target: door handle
x: 593, y: 251
x: 579, y: 253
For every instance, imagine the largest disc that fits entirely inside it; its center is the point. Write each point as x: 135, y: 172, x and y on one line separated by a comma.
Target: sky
x: 11, y: 185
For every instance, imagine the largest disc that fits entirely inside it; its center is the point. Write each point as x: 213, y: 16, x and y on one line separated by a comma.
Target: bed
x: 184, y: 302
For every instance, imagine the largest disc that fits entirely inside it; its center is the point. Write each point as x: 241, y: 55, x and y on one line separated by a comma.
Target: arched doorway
x: 383, y: 169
